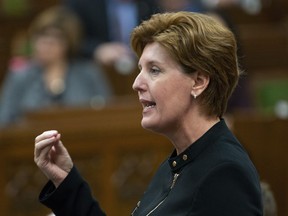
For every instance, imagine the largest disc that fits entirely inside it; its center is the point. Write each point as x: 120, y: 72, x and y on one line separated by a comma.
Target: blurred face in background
x: 49, y: 47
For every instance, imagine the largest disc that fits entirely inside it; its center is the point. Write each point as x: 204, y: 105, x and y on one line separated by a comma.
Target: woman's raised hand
x: 52, y: 157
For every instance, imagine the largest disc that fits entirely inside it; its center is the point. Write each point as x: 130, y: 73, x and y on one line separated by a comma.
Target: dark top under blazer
x: 213, y: 177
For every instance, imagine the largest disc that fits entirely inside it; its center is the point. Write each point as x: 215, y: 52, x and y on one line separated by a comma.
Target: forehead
x: 154, y: 52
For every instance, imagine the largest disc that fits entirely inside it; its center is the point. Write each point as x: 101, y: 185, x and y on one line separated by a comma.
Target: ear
x: 200, y: 82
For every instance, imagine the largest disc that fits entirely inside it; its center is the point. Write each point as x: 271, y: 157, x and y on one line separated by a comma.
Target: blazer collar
x: 177, y: 162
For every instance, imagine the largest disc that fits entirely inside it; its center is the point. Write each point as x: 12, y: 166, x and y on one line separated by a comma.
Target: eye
x: 154, y: 70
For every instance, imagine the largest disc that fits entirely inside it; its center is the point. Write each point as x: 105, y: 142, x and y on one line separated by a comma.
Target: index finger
x: 46, y: 135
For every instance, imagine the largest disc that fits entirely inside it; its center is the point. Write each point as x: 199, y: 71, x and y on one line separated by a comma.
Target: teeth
x: 149, y: 105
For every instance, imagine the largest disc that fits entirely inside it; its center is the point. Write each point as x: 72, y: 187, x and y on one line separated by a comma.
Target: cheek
x: 177, y: 88
x: 166, y: 99
x: 49, y: 46
x: 161, y: 94
x: 176, y: 96
x: 59, y: 51
x: 172, y: 91
x: 51, y: 52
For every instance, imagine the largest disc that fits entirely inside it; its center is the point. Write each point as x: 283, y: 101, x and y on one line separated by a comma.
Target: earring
x: 194, y: 96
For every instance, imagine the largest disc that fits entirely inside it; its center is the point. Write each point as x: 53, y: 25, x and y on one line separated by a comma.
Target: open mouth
x: 148, y: 104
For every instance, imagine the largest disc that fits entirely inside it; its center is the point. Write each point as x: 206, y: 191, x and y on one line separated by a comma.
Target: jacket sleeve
x: 72, y: 197
x: 230, y: 189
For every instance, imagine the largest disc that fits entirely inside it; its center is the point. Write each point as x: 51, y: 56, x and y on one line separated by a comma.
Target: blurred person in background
x: 192, y: 6
x: 198, y: 6
x: 249, y: 6
x: 54, y: 75
x: 107, y: 26
x: 181, y: 5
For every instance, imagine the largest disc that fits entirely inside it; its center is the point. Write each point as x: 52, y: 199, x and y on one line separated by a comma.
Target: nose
x: 138, y: 84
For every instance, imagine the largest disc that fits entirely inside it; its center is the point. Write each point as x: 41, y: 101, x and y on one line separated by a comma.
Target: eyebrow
x: 152, y: 62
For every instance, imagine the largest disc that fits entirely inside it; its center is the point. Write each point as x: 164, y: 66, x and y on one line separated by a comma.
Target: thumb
x: 59, y: 148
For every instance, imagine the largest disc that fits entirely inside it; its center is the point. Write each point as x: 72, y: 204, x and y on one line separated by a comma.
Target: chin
x: 151, y: 126
x: 148, y: 125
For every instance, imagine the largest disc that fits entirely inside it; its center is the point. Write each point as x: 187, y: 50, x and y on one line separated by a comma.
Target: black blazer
x: 213, y: 177
x: 94, y: 17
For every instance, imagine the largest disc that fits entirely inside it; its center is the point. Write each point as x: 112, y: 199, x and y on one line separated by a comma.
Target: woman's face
x: 164, y: 90
x: 49, y: 48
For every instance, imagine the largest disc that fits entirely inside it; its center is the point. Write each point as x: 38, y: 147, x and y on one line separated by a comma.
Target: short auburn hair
x: 197, y: 42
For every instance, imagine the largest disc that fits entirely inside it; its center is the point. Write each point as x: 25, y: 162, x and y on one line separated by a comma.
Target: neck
x: 190, y: 131
x: 54, y: 76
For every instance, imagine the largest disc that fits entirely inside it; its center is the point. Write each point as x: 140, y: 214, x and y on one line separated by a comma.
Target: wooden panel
x: 266, y: 141
x: 265, y: 46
